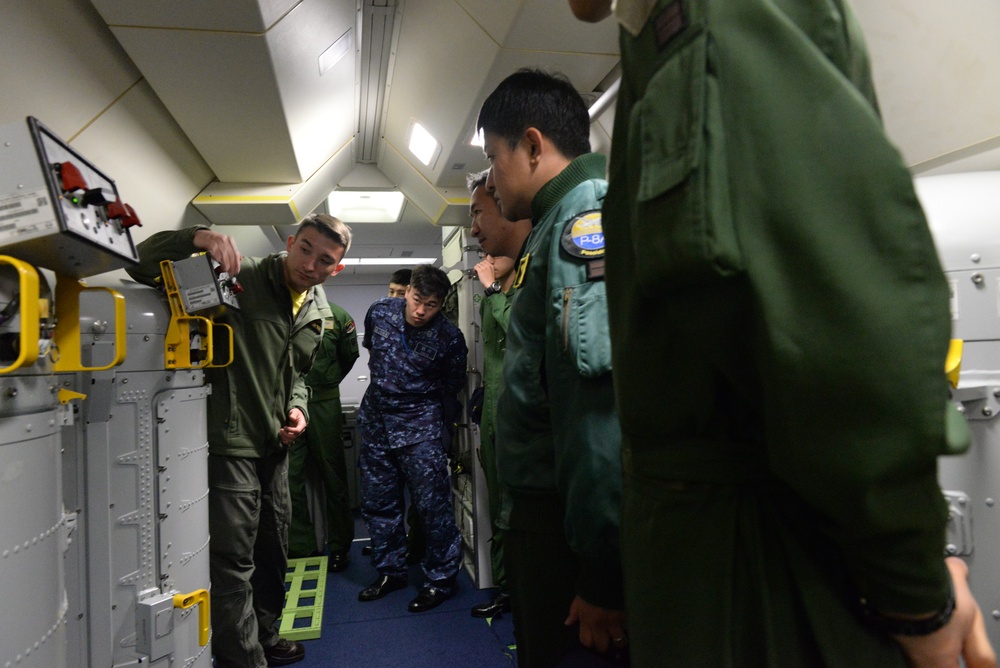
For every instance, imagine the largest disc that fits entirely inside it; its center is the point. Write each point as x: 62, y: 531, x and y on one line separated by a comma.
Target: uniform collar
x: 583, y: 168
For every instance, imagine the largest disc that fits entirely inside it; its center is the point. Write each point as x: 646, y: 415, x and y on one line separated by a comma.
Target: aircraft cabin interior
x: 247, y: 115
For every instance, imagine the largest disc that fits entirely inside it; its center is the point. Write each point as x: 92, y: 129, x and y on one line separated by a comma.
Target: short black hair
x: 400, y: 276
x: 535, y: 99
x: 430, y: 281
x: 330, y: 226
x: 476, y: 180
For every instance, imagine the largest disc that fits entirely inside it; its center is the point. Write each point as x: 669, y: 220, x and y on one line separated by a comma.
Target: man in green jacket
x: 557, y: 435
x: 258, y: 407
x: 501, y: 240
x: 779, y: 324
x: 323, y: 445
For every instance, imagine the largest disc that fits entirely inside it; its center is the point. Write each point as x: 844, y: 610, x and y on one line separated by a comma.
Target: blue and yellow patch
x: 583, y: 237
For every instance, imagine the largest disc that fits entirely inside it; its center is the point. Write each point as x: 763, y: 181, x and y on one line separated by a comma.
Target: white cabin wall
x: 936, y: 77
x: 62, y: 65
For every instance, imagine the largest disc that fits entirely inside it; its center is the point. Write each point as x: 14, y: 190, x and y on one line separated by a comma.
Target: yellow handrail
x: 67, y: 333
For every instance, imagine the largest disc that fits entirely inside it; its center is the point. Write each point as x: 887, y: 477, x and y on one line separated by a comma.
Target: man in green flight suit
x: 557, y: 436
x: 324, y: 444
x: 501, y: 240
x: 779, y: 325
x: 258, y: 407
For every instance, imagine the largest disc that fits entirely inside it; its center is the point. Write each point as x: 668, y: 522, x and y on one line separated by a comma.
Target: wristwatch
x: 494, y: 288
x: 905, y: 627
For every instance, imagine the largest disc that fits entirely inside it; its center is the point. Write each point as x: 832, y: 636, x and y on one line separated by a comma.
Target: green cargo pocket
x: 582, y: 311
x: 683, y: 233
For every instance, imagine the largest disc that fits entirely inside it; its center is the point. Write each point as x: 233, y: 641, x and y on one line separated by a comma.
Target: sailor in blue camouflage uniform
x: 417, y: 363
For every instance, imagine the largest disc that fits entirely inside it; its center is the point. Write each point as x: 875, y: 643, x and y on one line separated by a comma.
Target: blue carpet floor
x: 383, y: 633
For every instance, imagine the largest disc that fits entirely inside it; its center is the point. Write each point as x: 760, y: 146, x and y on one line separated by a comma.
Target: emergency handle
x: 197, y: 597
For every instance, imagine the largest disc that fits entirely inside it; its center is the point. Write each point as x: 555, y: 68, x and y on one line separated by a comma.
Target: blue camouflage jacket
x: 413, y: 371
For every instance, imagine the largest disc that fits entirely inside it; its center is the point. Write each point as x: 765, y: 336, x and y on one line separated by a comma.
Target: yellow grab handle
x: 176, y: 344
x: 29, y: 312
x: 953, y: 361
x: 212, y: 362
x: 67, y: 334
x: 199, y: 596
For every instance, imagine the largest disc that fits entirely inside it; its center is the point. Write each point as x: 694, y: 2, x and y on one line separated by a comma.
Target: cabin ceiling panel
x: 547, y: 25
x: 938, y: 94
x: 221, y: 88
x: 256, y: 105
x: 493, y: 18
x: 226, y: 15
x: 80, y: 60
x: 160, y: 168
x: 433, y: 86
x: 444, y: 93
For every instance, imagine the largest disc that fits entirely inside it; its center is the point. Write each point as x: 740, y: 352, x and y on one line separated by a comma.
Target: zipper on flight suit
x: 567, y: 293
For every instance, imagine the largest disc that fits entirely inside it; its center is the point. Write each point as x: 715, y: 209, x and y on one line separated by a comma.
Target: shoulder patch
x: 350, y: 327
x: 583, y: 237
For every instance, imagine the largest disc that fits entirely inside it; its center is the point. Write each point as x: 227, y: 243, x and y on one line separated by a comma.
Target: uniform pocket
x: 683, y: 233
x: 582, y: 311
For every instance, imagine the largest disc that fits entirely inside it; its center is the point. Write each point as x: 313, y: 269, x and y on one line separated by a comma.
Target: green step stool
x: 302, y: 616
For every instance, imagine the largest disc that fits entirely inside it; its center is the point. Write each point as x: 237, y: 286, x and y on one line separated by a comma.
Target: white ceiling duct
x: 283, y: 98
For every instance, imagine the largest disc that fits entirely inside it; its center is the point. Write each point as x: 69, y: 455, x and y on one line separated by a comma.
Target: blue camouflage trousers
x: 423, y: 468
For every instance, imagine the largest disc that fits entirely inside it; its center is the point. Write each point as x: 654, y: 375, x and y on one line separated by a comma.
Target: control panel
x: 57, y: 209
x: 203, y: 286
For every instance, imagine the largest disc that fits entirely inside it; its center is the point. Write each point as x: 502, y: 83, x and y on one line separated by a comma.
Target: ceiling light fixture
x: 366, y: 206
x: 423, y: 145
x: 335, y: 52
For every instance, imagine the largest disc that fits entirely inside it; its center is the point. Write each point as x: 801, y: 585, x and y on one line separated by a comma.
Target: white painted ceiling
x: 243, y: 79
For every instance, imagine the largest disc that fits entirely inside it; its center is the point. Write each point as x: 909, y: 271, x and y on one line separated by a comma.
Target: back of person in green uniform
x: 557, y: 438
x: 501, y: 240
x: 323, y: 446
x: 779, y: 325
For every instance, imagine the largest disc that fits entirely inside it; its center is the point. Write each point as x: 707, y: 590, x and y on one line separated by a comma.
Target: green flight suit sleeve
x: 169, y: 245
x: 499, y: 305
x: 299, y: 397
x: 586, y: 435
x: 347, y: 343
